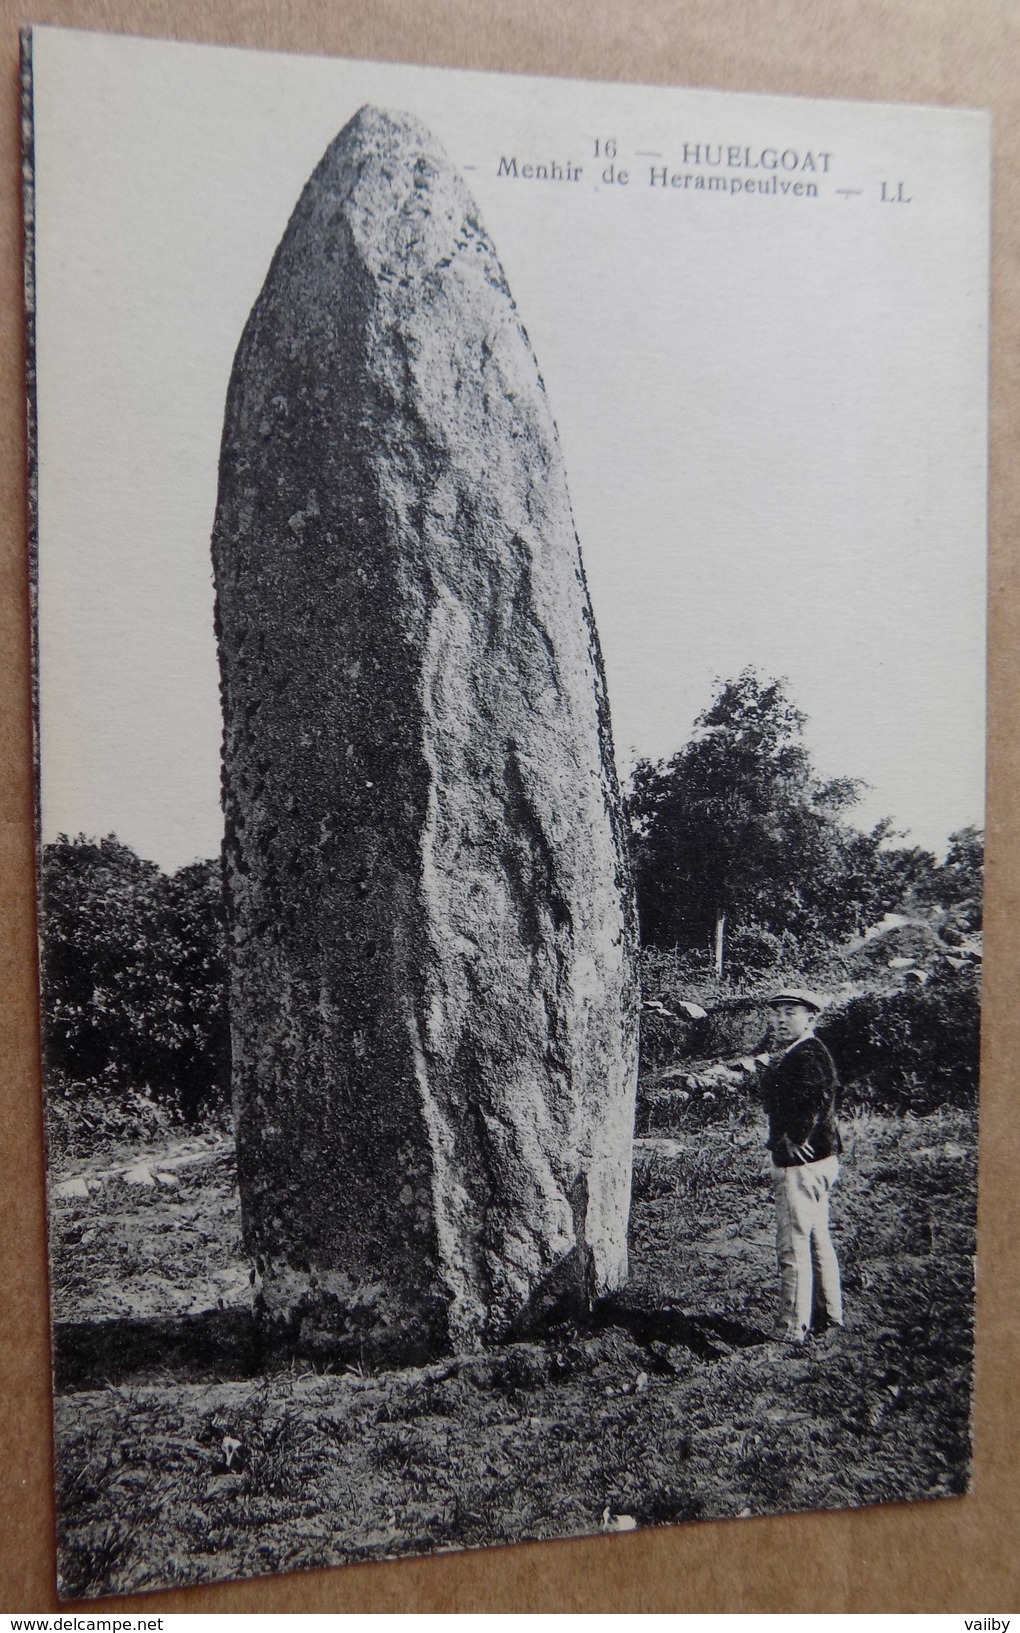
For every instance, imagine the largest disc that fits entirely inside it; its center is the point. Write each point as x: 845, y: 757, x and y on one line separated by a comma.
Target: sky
x: 772, y: 406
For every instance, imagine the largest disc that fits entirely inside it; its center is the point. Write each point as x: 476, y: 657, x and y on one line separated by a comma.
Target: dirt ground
x: 184, y: 1455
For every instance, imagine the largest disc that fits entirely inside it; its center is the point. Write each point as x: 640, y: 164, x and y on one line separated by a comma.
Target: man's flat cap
x: 797, y: 995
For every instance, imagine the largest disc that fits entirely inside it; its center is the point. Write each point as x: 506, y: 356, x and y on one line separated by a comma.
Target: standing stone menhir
x: 432, y: 932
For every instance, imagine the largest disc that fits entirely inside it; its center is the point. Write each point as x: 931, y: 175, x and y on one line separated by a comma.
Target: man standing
x: 800, y: 1092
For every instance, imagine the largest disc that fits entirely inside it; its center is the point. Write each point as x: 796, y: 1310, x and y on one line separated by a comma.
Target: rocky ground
x: 184, y: 1454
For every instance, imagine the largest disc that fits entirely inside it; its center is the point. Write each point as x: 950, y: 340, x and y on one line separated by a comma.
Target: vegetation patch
x: 189, y: 1449
x: 671, y: 1406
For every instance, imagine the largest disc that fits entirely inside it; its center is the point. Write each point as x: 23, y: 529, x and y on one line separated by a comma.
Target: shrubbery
x: 913, y: 1049
x: 85, y: 1118
x: 900, y: 1045
x: 134, y: 979
x: 135, y: 995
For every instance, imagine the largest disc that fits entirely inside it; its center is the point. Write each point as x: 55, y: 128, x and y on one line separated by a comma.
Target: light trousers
x: 804, y: 1247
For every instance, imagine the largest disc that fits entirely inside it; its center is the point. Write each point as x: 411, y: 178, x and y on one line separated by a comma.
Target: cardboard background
x: 951, y: 1555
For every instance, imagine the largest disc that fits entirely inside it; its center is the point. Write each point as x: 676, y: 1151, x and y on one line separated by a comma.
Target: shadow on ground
x: 707, y: 1337
x: 216, y: 1344
x: 228, y: 1345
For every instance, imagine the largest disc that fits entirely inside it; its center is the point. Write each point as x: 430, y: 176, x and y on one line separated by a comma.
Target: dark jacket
x: 800, y: 1092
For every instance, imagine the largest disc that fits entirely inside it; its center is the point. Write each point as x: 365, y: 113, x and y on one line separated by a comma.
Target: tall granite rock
x: 432, y: 931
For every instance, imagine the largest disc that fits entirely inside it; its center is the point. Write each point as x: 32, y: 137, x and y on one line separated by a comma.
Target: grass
x: 668, y: 1408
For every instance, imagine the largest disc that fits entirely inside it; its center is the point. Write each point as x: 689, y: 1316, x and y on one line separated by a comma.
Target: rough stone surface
x: 433, y: 998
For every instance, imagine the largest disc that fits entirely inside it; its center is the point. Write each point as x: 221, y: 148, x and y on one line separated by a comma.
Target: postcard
x: 509, y: 569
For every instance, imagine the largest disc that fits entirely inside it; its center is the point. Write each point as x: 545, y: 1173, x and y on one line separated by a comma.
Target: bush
x: 134, y: 977
x: 84, y: 1119
x: 911, y: 1050
x: 898, y: 1048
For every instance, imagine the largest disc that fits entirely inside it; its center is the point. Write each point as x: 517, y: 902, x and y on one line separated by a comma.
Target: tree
x: 134, y: 973
x: 737, y: 831
x: 953, y: 889
x: 960, y: 879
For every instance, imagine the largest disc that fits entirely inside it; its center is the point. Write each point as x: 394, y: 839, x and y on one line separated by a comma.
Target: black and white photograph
x: 510, y: 640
